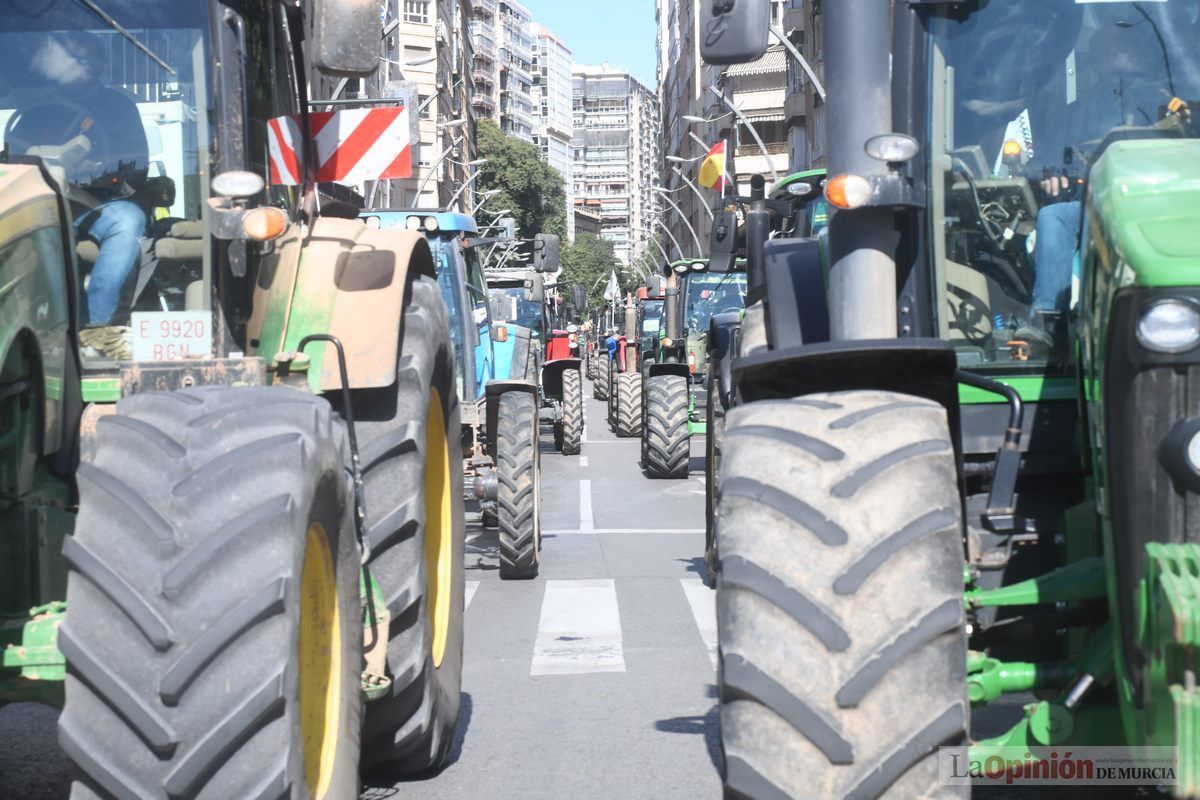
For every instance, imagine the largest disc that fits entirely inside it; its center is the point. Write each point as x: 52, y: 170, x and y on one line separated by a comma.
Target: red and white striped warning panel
x: 351, y: 146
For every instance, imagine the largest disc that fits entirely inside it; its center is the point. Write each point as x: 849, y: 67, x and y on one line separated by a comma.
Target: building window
x: 416, y: 11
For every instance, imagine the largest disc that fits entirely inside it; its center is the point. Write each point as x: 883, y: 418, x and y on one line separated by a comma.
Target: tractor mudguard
x: 721, y: 330
x: 916, y: 366
x: 38, y: 281
x: 552, y: 375
x: 797, y: 309
x: 668, y: 369
x: 492, y: 394
x: 347, y: 280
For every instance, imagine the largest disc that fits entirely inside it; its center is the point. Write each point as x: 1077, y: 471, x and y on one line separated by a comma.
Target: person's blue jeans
x: 1054, y: 255
x: 118, y: 231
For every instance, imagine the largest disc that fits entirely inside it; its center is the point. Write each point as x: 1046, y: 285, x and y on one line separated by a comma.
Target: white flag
x: 613, y: 290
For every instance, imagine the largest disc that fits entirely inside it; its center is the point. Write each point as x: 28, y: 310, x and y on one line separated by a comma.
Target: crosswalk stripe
x: 472, y: 587
x: 579, y: 630
x: 587, y: 520
x: 703, y: 602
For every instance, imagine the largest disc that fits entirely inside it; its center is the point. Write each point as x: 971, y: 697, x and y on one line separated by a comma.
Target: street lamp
x: 433, y: 167
x: 778, y: 33
x: 695, y: 238
x: 483, y: 198
x: 671, y: 236
x: 682, y: 160
x: 703, y: 199
x: 705, y: 120
x: 451, y: 123
x: 454, y: 197
x: 750, y: 127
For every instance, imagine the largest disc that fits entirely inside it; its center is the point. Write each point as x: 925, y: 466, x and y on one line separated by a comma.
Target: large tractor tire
x: 628, y: 412
x: 518, y: 472
x: 603, y: 378
x: 408, y: 437
x: 714, y: 435
x: 589, y: 363
x: 839, y: 598
x: 668, y: 448
x: 572, y: 421
x: 214, y: 641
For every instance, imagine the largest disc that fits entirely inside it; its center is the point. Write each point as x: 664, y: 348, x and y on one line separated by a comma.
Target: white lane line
x: 704, y: 610
x: 579, y: 630
x: 587, y: 522
x: 472, y: 587
x: 589, y: 531
x: 583, y: 462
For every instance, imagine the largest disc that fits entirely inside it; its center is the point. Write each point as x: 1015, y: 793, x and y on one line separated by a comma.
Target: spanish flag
x: 712, y: 168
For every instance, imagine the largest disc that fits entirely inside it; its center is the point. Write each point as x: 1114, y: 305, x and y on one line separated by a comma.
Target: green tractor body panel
x: 1147, y: 193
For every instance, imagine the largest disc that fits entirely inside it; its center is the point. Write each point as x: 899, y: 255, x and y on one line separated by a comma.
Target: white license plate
x: 171, y: 335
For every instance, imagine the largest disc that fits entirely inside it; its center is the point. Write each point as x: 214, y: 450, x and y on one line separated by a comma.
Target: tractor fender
x: 346, y: 280
x: 36, y: 285
x: 552, y: 375
x: 721, y: 335
x: 515, y: 358
x: 492, y: 394
x: 668, y: 368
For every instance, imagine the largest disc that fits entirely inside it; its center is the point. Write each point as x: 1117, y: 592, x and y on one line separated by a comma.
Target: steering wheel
x: 731, y: 310
x: 18, y: 143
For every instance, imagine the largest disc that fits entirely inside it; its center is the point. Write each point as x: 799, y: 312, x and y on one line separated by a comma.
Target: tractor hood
x: 1146, y: 195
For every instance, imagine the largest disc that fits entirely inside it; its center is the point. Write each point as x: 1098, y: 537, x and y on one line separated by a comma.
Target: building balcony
x: 483, y: 77
x: 483, y: 101
x: 485, y: 6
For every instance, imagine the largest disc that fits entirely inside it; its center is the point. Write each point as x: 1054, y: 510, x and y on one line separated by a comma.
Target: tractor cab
x: 120, y: 128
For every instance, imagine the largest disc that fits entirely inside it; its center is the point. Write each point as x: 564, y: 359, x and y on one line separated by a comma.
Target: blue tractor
x: 501, y: 466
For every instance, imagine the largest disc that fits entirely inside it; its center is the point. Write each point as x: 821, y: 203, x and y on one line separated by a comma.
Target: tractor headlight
x: 413, y: 223
x: 1169, y: 326
x: 1193, y: 451
x: 431, y: 224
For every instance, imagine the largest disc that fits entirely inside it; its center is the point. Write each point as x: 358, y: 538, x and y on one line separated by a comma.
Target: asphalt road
x: 596, y: 680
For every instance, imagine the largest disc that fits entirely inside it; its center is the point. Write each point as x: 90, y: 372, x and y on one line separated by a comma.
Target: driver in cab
x: 95, y: 133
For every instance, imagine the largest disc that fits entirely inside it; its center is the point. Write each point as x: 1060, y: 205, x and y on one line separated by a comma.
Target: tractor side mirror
x: 579, y: 300
x: 722, y: 241
x: 546, y: 252
x: 537, y: 290
x: 734, y: 31
x: 346, y: 37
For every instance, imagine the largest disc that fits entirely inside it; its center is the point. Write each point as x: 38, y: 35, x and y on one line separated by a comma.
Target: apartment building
x: 552, y: 126
x: 616, y: 155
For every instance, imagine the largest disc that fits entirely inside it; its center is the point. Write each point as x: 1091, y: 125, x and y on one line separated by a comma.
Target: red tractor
x: 562, y: 388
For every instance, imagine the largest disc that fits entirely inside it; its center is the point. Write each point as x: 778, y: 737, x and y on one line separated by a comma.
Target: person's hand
x: 1054, y: 185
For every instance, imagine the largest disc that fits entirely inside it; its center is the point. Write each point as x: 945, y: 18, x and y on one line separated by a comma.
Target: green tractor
x: 230, y: 483
x: 964, y: 454
x: 675, y: 382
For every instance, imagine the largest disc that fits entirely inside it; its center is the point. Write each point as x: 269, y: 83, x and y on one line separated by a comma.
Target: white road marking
x: 587, y: 522
x: 472, y: 587
x: 583, y: 461
x: 704, y: 610
x: 589, y: 531
x: 579, y: 630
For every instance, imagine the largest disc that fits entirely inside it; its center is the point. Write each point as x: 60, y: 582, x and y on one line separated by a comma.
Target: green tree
x: 589, y: 262
x: 525, y: 183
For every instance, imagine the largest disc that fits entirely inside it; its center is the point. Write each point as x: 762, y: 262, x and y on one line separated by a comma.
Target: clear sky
x: 621, y: 32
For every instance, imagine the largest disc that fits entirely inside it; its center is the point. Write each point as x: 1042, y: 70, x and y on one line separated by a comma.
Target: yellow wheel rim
x: 320, y: 661
x: 439, y: 525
